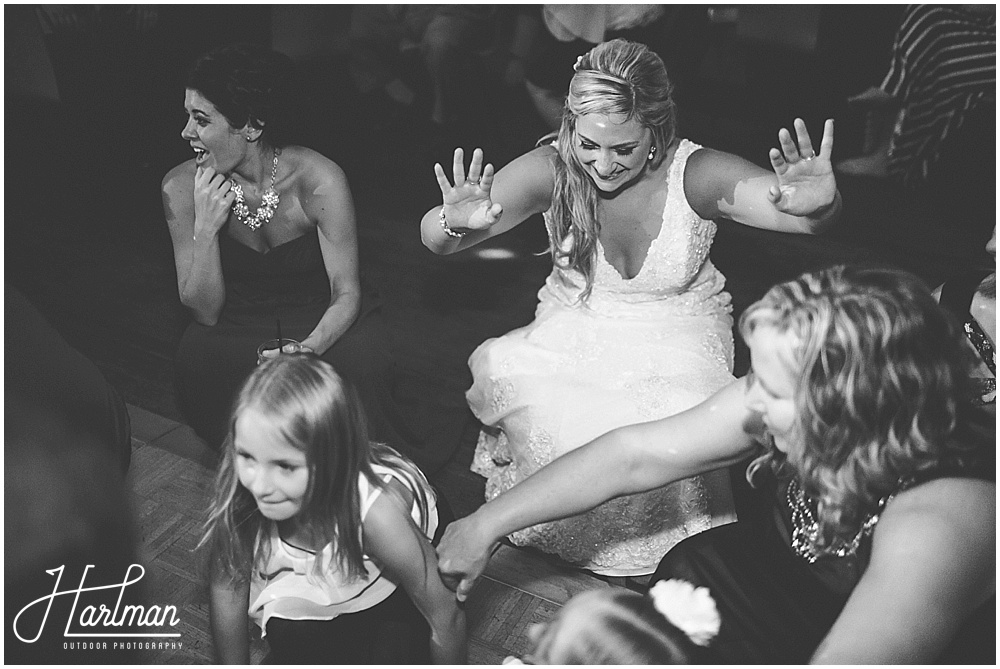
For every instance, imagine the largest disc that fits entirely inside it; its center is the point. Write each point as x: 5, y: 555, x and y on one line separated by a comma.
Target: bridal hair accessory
x: 268, y: 202
x: 578, y: 63
x: 690, y: 609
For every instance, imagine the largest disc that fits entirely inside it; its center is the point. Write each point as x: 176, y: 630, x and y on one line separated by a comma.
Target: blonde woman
x: 633, y: 323
x: 876, y: 543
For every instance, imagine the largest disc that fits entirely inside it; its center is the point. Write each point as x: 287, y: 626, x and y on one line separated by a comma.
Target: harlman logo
x: 121, y: 621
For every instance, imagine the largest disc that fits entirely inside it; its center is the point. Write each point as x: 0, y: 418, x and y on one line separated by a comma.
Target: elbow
x: 198, y: 312
x: 625, y: 473
x: 355, y: 309
x: 424, y: 236
x: 348, y: 301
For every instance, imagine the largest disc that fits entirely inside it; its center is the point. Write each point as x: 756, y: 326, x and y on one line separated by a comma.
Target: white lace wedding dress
x: 637, y: 350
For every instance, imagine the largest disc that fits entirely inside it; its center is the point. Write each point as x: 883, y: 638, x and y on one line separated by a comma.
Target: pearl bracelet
x: 447, y: 229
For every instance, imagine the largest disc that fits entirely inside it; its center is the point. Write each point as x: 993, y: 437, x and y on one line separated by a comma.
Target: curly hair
x: 321, y: 415
x: 615, y: 77
x: 613, y: 627
x: 881, y: 372
x: 250, y: 85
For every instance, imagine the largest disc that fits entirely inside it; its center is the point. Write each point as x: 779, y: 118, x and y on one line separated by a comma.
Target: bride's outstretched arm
x: 625, y: 461
x: 482, y: 204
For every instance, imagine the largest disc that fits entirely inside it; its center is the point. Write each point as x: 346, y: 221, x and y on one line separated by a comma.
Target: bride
x: 632, y: 324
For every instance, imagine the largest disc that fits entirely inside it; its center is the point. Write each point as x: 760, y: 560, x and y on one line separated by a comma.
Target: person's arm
x: 326, y: 199
x: 497, y: 203
x: 933, y: 563
x: 625, y: 461
x: 408, y: 559
x: 196, y: 203
x: 800, y: 195
x: 229, y: 603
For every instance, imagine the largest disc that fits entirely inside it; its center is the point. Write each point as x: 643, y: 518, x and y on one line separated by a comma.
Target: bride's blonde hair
x: 614, y: 78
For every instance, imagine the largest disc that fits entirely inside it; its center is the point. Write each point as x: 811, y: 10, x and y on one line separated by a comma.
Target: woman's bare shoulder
x: 546, y: 154
x: 311, y: 169
x: 180, y: 177
x: 534, y: 170
x: 950, y: 512
x: 309, y: 159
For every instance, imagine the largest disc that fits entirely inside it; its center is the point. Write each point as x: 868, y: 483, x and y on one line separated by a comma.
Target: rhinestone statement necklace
x: 268, y: 202
x: 805, y: 527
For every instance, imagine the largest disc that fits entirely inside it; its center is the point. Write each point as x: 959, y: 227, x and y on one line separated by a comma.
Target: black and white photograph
x: 500, y: 334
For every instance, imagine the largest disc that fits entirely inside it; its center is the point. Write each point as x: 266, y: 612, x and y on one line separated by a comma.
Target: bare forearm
x: 337, y: 319
x: 229, y: 621
x: 625, y: 461
x: 434, y: 237
x: 568, y: 486
x: 202, y: 288
x: 449, y: 643
x: 232, y: 645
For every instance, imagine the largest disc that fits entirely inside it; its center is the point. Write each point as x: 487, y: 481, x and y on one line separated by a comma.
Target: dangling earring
x: 249, y: 139
x: 652, y: 152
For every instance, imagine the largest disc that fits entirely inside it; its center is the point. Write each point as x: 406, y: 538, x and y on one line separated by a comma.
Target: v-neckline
x: 652, y: 242
x: 671, y: 163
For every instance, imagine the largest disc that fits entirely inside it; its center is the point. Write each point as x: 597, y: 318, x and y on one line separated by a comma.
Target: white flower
x: 690, y: 609
x: 579, y: 61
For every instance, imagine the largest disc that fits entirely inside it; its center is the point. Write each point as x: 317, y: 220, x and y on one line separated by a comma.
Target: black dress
x: 775, y: 606
x: 289, y: 283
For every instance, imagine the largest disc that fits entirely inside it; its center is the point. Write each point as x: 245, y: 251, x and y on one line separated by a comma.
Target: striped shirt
x: 943, y: 66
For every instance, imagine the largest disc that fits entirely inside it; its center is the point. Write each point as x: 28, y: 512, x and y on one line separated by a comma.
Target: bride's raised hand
x: 467, y: 203
x: 806, y: 184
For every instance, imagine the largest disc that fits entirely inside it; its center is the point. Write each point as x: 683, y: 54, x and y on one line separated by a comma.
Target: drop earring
x: 652, y: 152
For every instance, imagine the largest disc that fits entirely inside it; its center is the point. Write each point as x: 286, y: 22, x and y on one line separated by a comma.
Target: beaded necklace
x: 805, y: 527
x: 268, y: 202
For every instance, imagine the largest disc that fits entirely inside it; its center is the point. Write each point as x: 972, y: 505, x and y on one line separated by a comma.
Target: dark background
x: 92, y: 122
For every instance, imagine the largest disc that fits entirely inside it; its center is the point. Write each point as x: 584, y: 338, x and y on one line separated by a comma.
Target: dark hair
x: 249, y: 84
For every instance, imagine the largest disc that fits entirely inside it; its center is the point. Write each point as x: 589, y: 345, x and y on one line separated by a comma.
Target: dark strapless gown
x: 290, y: 283
x: 775, y: 607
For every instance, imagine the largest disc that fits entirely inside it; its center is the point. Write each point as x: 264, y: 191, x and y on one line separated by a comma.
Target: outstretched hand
x: 467, y: 204
x: 806, y: 184
x: 462, y: 556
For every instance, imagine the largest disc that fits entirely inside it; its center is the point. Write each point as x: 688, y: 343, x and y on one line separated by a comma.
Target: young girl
x: 312, y: 530
x: 673, y: 624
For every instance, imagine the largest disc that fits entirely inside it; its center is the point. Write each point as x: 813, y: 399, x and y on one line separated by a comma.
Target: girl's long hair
x: 320, y: 414
x: 882, y: 373
x: 616, y: 77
